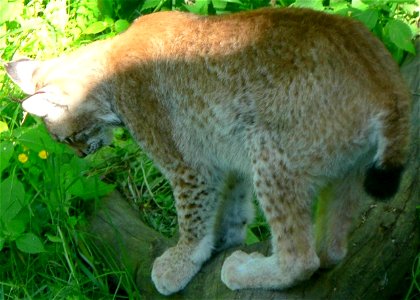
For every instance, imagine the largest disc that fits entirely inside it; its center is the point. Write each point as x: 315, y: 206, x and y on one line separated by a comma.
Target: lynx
x: 276, y: 103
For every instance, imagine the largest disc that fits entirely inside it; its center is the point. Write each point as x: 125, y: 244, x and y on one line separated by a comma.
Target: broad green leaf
x: 83, y: 186
x: 2, y: 241
x: 359, y: 4
x: 400, y: 34
x: 313, y: 4
x: 36, y: 138
x: 251, y: 238
x: 72, y: 221
x: 339, y: 5
x: 368, y: 17
x: 347, y: 12
x: 89, y: 188
x: 15, y: 227
x: 9, y: 10
x: 200, y: 7
x: 29, y: 243
x: 3, y: 127
x: 96, y: 27
x: 12, y: 195
x: 109, y: 22
x: 121, y: 25
x: 396, y: 52
x: 53, y: 238
x: 105, y: 7
x: 219, y: 4
x: 235, y: 1
x: 6, y: 152
x: 76, y: 166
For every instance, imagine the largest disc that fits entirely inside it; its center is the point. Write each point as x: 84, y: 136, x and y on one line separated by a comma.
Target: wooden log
x: 382, y: 245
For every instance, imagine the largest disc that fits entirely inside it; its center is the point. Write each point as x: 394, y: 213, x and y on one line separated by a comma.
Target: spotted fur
x: 276, y: 102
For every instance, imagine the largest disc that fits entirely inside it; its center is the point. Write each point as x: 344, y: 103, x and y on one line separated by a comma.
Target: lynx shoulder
x: 274, y: 102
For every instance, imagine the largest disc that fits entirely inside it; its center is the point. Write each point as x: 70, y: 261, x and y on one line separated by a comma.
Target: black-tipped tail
x: 382, y: 183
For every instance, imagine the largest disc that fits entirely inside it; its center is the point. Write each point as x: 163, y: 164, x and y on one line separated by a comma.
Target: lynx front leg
x: 196, y: 202
x: 285, y: 198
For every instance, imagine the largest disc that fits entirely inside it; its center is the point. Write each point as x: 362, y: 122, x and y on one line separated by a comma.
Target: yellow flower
x: 43, y: 154
x: 23, y: 158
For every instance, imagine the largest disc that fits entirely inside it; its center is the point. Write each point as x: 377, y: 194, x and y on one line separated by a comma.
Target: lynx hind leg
x: 196, y: 201
x: 235, y: 211
x: 336, y: 211
x: 285, y: 198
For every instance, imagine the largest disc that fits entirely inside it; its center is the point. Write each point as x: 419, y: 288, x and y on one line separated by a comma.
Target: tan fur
x: 280, y: 102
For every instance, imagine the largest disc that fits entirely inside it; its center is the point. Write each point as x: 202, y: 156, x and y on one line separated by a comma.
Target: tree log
x: 382, y: 246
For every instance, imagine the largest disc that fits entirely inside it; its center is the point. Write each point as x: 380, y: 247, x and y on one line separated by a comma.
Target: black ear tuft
x: 383, y: 183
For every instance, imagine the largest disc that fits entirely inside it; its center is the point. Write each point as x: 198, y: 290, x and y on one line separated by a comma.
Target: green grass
x: 46, y: 192
x: 414, y: 289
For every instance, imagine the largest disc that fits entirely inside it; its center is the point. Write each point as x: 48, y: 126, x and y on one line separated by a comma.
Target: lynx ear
x: 40, y: 106
x: 21, y: 71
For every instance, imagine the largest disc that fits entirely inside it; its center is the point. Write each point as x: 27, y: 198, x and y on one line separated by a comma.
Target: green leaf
x: 3, y: 127
x: 313, y: 4
x: 89, y: 188
x: 6, y: 152
x: 400, y: 34
x: 105, y: 7
x: 2, y: 241
x: 53, y: 238
x: 251, y: 238
x: 149, y: 4
x: 219, y: 4
x: 82, y: 186
x: 10, y: 10
x: 12, y: 196
x: 339, y: 5
x: 16, y: 227
x: 121, y: 25
x: 235, y: 1
x: 72, y: 221
x: 368, y: 17
x: 29, y: 243
x: 109, y: 22
x: 200, y: 7
x: 96, y: 27
x: 359, y: 4
x: 36, y: 138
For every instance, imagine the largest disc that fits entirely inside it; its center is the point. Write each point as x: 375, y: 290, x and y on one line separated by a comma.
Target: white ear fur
x: 39, y: 105
x: 21, y: 72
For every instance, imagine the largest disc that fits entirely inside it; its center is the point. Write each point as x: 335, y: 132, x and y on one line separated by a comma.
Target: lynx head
x: 73, y: 100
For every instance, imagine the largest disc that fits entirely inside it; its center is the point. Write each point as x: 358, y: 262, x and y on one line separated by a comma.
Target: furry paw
x: 242, y: 271
x: 332, y: 255
x: 173, y: 270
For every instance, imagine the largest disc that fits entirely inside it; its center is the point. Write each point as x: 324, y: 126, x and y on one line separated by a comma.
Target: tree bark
x: 382, y: 246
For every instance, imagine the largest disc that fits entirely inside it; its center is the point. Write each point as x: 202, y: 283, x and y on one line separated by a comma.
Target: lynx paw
x: 242, y: 270
x: 173, y: 270
x: 332, y: 255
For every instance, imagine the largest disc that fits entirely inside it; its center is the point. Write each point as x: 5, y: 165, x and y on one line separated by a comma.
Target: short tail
x: 383, y: 183
x: 383, y: 177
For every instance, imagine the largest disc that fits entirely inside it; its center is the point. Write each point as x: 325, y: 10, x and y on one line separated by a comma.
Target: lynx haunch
x: 276, y: 102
